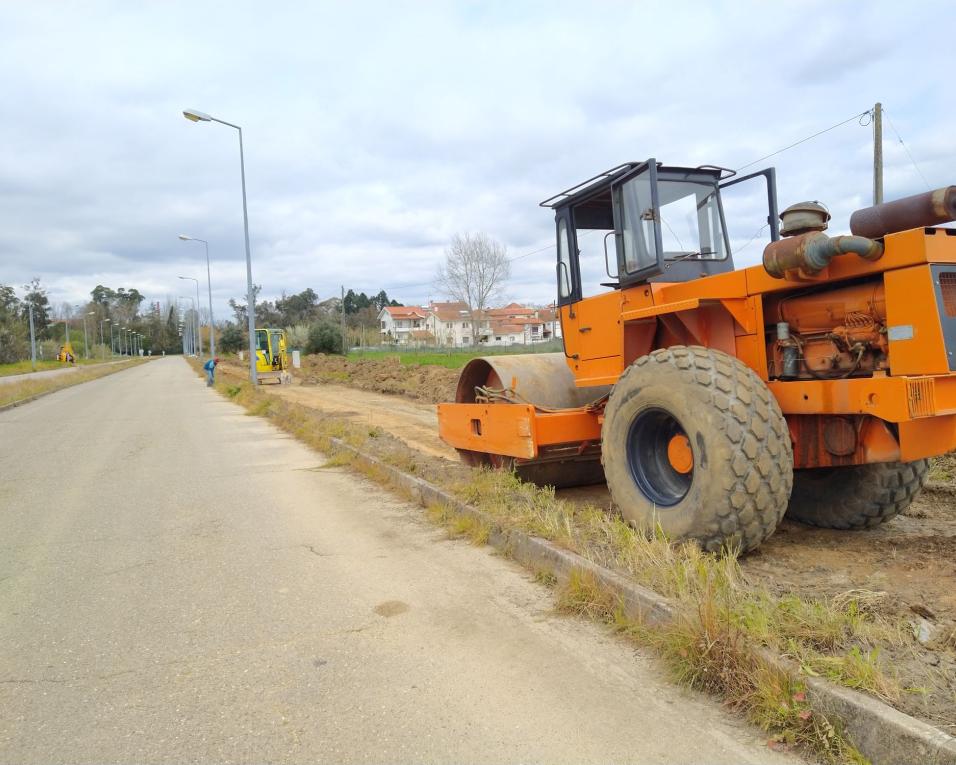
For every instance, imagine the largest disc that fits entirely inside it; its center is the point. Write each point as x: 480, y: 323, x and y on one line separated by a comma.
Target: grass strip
x: 43, y: 365
x: 20, y: 392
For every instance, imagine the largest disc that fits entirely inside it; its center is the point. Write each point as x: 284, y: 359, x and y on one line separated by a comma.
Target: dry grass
x: 724, y: 624
x: 11, y: 393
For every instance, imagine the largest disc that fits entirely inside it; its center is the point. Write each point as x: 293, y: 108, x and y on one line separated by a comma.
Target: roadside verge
x: 765, y: 657
x: 23, y: 392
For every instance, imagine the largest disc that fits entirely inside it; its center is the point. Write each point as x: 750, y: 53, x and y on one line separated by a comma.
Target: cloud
x: 374, y: 131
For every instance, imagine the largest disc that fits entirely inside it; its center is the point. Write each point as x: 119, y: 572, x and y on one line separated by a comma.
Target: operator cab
x: 653, y: 223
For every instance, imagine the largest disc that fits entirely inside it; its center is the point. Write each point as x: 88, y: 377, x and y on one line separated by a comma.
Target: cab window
x: 564, y: 260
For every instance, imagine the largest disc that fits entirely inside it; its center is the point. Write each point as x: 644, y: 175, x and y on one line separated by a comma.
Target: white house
x: 404, y: 325
x: 450, y: 325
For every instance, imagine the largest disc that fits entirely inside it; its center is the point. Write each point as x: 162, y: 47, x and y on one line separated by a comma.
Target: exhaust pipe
x: 813, y: 251
x: 918, y: 211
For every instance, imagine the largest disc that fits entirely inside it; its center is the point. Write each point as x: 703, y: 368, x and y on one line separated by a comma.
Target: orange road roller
x: 714, y: 401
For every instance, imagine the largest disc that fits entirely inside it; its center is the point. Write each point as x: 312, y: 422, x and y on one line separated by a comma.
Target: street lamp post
x: 190, y: 329
x: 103, y: 344
x: 86, y: 344
x: 33, y: 340
x: 195, y: 116
x: 212, y: 334
x: 112, y: 343
x: 198, y: 333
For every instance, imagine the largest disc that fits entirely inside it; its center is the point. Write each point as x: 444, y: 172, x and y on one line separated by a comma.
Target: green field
x: 453, y: 358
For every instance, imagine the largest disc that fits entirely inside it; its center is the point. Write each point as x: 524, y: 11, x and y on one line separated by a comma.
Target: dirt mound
x: 430, y: 384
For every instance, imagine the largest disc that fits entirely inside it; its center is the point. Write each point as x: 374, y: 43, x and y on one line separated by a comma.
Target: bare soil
x: 907, y: 566
x: 429, y: 383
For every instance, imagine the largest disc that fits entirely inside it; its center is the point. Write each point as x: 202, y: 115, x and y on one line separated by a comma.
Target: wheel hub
x: 679, y: 454
x: 660, y: 457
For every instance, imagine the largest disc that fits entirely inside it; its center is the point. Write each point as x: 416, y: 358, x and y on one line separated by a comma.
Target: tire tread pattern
x: 749, y: 496
x: 858, y: 496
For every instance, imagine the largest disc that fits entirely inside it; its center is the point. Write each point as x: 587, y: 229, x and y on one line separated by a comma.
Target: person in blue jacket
x: 210, y: 367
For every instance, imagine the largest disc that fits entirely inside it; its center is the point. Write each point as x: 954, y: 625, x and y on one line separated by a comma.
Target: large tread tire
x: 857, y: 496
x: 742, y: 455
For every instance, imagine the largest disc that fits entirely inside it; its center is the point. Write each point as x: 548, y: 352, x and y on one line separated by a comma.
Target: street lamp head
x: 194, y: 116
x: 182, y: 277
x: 184, y: 237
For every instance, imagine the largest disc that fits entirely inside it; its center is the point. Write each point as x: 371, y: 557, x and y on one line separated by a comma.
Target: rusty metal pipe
x: 813, y: 251
x: 917, y: 211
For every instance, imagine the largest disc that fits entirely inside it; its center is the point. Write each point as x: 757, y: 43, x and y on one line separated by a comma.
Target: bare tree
x: 474, y: 272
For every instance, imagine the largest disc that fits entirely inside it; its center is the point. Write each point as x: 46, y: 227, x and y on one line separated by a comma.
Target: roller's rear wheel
x: 857, y: 496
x: 693, y: 442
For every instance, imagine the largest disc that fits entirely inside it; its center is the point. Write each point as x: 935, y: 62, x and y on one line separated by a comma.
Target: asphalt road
x: 181, y: 582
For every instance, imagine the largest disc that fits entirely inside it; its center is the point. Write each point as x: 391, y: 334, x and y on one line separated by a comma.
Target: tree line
x: 311, y: 324
x: 160, y: 326
x: 474, y: 272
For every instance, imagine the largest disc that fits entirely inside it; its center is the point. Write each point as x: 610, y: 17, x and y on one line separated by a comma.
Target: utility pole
x: 33, y: 341
x: 345, y: 350
x: 878, y: 153
x: 86, y: 342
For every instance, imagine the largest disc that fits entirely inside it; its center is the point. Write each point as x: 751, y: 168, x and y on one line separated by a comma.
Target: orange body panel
x: 911, y: 302
x: 515, y: 430
x: 914, y: 390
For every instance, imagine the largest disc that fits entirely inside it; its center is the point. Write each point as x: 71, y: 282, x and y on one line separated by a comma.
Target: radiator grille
x: 921, y: 397
x: 947, y: 287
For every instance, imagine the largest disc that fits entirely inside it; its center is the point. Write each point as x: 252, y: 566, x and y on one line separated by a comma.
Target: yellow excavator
x: 66, y: 353
x: 272, y: 359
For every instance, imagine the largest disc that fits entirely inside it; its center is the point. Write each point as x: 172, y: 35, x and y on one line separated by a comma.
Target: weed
x: 462, y: 525
x: 340, y: 458
x: 858, y: 669
x: 583, y: 595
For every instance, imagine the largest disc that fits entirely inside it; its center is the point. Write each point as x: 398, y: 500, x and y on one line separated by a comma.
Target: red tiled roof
x: 405, y: 312
x: 450, y: 311
x: 506, y: 327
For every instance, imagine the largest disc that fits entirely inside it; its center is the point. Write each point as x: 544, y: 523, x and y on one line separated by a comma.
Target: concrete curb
x: 27, y: 400
x: 883, y: 734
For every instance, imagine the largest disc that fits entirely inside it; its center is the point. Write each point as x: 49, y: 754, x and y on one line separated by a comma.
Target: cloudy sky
x: 375, y: 131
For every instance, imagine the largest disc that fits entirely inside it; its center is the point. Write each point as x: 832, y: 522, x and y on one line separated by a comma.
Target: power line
x: 907, y: 149
x: 804, y: 140
x: 533, y: 252
x: 510, y: 260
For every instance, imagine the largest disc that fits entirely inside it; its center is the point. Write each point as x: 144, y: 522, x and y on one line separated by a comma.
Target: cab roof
x: 602, y: 181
